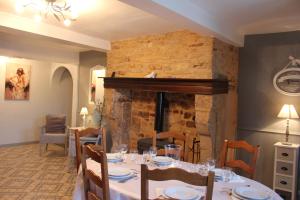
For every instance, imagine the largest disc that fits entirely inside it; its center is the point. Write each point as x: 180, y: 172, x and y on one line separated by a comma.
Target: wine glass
x: 203, y: 169
x: 133, y: 154
x: 153, y: 152
x: 211, y: 164
x: 227, y: 174
x: 123, y: 148
x: 146, y: 156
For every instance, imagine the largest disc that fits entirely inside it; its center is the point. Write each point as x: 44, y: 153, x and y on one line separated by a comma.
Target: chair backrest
x: 227, y: 160
x: 175, y: 174
x: 88, y: 132
x: 88, y: 151
x: 55, y: 124
x: 185, y: 139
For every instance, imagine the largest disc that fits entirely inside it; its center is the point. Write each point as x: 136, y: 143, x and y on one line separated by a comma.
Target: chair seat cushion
x: 55, y: 123
x: 56, y: 138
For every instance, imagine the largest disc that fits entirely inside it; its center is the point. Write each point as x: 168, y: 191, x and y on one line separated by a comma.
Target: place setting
x: 121, y: 175
x: 114, y: 157
x: 162, y: 161
x: 119, y: 155
x: 249, y: 193
x: 180, y: 192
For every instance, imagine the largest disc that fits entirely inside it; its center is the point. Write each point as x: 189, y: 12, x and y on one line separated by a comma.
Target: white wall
x: 20, y: 121
x: 88, y: 60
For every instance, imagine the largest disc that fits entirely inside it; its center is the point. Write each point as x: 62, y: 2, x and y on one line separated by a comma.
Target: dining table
x: 130, y: 188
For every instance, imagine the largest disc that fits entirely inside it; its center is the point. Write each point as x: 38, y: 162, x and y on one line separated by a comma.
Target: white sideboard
x: 286, y: 170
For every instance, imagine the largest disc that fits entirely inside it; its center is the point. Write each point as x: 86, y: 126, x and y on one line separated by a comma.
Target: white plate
x: 251, y: 193
x: 162, y: 164
x: 122, y: 177
x: 162, y: 159
x: 183, y: 193
x: 118, y: 172
x: 113, y: 157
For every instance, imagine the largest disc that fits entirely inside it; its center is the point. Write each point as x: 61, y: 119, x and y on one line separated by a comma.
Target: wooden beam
x: 172, y: 85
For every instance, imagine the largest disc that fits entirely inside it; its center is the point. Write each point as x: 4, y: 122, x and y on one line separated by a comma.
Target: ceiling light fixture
x: 63, y: 10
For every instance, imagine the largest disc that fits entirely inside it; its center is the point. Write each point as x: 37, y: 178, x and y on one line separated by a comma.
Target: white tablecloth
x: 130, y: 190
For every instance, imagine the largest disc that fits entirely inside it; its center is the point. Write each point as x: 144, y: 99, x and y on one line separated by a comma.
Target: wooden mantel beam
x: 172, y: 85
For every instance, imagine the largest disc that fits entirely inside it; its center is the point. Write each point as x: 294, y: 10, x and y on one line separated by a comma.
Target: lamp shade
x: 288, y: 111
x: 84, y: 111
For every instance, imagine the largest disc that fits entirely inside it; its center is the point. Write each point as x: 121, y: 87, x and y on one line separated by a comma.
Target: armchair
x: 54, y: 132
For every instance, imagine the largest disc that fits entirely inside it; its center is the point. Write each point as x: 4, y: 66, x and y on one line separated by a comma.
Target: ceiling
x: 112, y: 20
x: 254, y: 16
x: 107, y: 19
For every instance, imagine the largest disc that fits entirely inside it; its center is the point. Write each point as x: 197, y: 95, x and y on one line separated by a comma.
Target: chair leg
x: 41, y: 146
x: 66, y: 149
x: 46, y: 147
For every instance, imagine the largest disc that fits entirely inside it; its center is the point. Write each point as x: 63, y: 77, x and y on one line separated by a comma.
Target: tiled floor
x: 24, y: 174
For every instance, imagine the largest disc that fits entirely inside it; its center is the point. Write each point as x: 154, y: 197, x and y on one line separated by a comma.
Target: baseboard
x: 17, y: 144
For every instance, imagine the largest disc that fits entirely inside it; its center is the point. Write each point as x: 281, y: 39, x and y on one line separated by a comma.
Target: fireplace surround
x: 210, y: 117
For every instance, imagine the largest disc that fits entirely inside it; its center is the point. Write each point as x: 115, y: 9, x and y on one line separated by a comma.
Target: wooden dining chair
x: 185, y: 139
x: 227, y: 158
x: 89, y: 151
x: 175, y: 174
x: 88, y: 132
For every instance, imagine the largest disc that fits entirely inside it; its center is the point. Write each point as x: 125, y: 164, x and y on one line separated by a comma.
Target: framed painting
x: 17, y: 81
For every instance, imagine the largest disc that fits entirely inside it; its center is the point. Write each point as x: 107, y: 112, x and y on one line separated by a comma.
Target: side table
x: 72, y: 149
x: 286, y: 170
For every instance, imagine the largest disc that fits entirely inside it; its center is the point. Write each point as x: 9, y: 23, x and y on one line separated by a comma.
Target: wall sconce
x: 288, y: 112
x: 84, y: 112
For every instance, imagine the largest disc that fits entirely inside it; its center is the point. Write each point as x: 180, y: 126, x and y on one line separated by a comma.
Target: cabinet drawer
x: 284, y: 182
x: 285, y: 153
x: 284, y: 168
x: 285, y: 195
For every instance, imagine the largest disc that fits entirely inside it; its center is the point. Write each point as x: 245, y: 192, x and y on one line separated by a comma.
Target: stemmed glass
x: 153, y: 152
x: 133, y: 154
x: 211, y: 164
x: 227, y: 174
x: 146, y: 156
x: 123, y: 148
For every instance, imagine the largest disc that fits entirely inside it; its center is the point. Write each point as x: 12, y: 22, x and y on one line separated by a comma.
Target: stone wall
x: 180, y: 54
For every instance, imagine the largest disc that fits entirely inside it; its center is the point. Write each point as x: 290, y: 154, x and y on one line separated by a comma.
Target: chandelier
x: 62, y: 10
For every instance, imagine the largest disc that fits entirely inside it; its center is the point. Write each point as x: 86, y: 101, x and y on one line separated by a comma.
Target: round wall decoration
x: 287, y: 80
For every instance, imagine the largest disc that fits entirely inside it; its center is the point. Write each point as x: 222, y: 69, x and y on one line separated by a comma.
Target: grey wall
x: 87, y: 60
x: 259, y: 103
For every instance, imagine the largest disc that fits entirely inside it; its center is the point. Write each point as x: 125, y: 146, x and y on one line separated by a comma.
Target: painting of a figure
x: 17, y: 81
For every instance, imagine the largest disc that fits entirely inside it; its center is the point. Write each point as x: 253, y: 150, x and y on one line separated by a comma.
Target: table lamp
x: 84, y: 112
x: 288, y: 112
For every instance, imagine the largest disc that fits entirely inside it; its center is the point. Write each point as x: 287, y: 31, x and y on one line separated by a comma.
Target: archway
x: 62, y: 91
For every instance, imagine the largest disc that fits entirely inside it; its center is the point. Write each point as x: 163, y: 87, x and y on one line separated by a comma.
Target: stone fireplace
x: 183, y: 54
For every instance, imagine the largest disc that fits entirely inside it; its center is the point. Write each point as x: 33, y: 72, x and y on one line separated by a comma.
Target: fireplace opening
x: 173, y: 112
